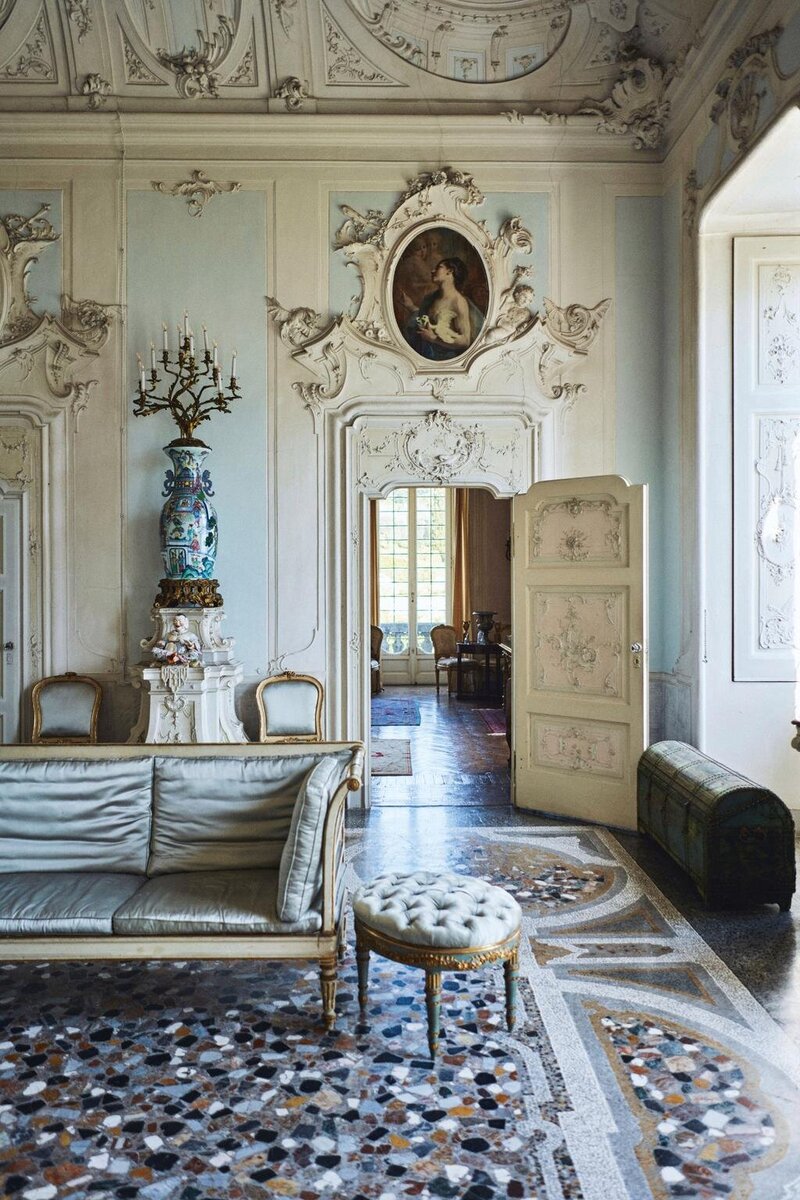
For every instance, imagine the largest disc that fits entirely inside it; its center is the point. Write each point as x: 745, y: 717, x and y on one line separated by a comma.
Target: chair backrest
x: 290, y: 708
x: 65, y: 709
x: 444, y: 641
x: 375, y: 641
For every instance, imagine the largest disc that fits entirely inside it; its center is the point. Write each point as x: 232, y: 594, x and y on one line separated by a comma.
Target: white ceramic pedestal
x: 182, y: 704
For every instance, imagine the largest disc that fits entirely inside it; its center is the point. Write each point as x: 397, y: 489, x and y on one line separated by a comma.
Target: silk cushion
x: 300, y: 876
x: 62, y: 902
x: 223, y: 813
x: 75, y: 815
x: 209, y: 902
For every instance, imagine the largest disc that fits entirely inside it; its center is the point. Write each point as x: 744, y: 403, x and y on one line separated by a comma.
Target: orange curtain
x: 462, y: 600
x: 374, y: 564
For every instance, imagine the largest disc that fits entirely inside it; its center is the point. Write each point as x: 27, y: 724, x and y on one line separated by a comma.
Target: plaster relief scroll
x: 33, y: 61
x: 589, y: 746
x: 346, y: 354
x: 776, y: 465
x: 579, y: 531
x: 779, y: 325
x: 578, y: 643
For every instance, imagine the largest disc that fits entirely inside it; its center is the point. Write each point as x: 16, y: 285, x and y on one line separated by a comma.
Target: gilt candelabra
x: 196, y: 388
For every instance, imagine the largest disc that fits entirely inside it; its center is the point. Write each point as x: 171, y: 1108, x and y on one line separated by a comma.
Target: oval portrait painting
x: 440, y: 293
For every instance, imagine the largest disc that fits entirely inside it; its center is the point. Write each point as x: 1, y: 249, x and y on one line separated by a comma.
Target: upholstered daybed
x: 205, y: 851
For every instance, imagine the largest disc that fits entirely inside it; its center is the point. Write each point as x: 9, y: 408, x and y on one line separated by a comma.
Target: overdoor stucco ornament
x: 743, y: 89
x: 197, y: 190
x: 361, y: 348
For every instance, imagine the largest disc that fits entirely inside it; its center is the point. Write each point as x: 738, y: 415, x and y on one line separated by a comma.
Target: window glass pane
x: 431, y: 583
x: 393, y: 568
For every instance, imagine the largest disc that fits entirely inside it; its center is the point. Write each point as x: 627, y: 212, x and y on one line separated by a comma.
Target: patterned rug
x: 390, y: 756
x: 495, y: 718
x: 395, y: 712
x: 639, y: 1066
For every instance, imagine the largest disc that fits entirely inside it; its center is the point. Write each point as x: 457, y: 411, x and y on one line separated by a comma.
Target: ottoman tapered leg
x: 511, y: 969
x: 433, y: 996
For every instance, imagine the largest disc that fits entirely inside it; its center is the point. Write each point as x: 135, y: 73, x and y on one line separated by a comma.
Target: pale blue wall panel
x: 45, y: 275
x: 214, y: 266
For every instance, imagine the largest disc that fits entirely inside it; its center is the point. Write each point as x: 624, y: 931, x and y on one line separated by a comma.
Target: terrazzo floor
x: 639, y: 1067
x: 655, y: 1052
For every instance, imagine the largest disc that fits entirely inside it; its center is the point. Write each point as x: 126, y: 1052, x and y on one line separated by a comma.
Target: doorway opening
x: 439, y: 731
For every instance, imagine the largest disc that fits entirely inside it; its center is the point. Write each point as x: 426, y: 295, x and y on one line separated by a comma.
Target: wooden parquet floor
x: 455, y: 760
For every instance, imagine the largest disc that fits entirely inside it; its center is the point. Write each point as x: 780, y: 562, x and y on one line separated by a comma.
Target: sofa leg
x: 327, y: 974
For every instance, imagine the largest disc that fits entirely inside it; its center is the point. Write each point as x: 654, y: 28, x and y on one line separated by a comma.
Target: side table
x: 492, y: 688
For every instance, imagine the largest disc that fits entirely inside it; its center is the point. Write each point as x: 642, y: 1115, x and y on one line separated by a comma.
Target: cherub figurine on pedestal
x: 180, y: 647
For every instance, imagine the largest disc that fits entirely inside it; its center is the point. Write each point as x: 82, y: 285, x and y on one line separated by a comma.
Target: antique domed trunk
x: 188, y: 519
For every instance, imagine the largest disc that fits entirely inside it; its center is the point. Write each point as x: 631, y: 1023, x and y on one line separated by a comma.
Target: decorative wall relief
x: 96, y: 90
x: 196, y: 68
x: 34, y: 60
x: 743, y: 89
x: 779, y: 325
x: 775, y: 467
x: 436, y: 285
x: 80, y: 14
x: 344, y: 63
x: 293, y: 92
x: 42, y: 350
x: 135, y: 69
x: 638, y: 103
x: 441, y: 449
x: 753, y: 86
x: 197, y: 190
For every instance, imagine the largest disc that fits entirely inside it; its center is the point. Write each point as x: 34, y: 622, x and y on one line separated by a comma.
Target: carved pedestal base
x: 185, y: 704
x: 188, y: 704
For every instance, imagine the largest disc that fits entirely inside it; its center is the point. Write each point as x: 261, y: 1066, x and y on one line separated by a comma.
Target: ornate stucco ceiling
x: 615, y: 66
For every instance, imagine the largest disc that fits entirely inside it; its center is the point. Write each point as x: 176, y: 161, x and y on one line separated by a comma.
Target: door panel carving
x: 578, y: 641
x: 579, y: 530
x: 579, y: 745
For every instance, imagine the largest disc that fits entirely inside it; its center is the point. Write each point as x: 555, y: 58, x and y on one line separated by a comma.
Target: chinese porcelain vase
x: 188, y: 519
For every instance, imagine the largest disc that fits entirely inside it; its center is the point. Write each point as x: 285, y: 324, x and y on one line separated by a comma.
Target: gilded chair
x: 375, y: 641
x: 445, y: 656
x: 65, y: 710
x: 290, y: 708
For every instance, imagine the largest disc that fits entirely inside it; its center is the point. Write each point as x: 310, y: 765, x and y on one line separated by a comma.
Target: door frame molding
x: 368, y: 451
x: 18, y: 494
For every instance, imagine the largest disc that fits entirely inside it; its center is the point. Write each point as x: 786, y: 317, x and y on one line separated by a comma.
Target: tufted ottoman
x: 441, y: 922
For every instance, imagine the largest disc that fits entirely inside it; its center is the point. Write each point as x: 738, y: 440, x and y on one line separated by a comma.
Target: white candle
x: 214, y: 356
x: 166, y: 341
x: 191, y: 344
x: 152, y: 356
x: 233, y: 366
x: 141, y: 372
x: 180, y: 343
x: 185, y: 323
x: 205, y: 339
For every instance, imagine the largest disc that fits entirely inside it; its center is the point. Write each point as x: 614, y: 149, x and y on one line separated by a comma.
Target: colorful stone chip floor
x: 639, y: 1066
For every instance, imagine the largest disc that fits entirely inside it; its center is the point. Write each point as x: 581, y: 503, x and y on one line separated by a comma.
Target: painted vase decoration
x: 188, y: 520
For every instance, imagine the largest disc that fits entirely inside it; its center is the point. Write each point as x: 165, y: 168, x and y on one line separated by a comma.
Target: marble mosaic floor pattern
x: 639, y: 1066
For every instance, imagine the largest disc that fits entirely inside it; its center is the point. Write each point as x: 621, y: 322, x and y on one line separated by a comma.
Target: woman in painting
x: 446, y: 322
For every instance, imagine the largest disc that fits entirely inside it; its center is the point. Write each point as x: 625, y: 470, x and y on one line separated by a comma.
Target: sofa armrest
x: 333, y: 836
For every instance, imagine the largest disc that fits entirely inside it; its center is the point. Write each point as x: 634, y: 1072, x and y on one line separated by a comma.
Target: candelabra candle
x: 190, y: 391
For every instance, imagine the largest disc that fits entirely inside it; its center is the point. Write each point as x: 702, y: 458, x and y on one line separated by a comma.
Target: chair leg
x: 433, y: 996
x: 436, y: 672
x: 511, y: 970
x: 341, y: 944
x: 327, y: 971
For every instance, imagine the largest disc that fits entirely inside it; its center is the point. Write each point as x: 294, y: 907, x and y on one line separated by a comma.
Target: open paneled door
x: 580, y: 673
